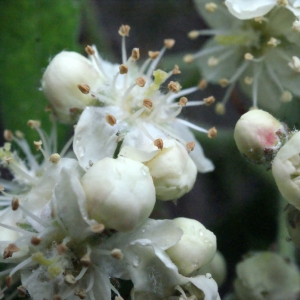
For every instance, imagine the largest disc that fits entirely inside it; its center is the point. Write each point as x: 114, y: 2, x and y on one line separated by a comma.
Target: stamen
x: 191, y: 125
x: 84, y: 88
x: 183, y: 101
x: 124, y: 31
x: 96, y: 59
x: 159, y: 144
x: 9, y: 250
x: 98, y: 228
x: 202, y: 84
x: 181, y: 93
x: 257, y: 70
x: 69, y: 278
x: 15, y: 204
x: 66, y: 147
x: 8, y: 135
x: 206, y: 32
x: 20, y: 266
x: 16, y: 169
x: 212, y: 132
x: 181, y: 291
x: 147, y: 103
x: 35, y: 241
x: 54, y: 158
x: 91, y: 283
x: 169, y: 43
x: 123, y: 69
x: 190, y: 146
x: 80, y: 293
x: 135, y: 54
x: 225, y: 98
x: 111, y: 120
x: 140, y: 81
x: 211, y: 7
x: 207, y: 51
x: 81, y: 274
x: 239, y: 72
x: 174, y: 86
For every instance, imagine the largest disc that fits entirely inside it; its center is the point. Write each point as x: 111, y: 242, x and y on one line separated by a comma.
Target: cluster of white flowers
x: 258, y: 52
x: 72, y: 227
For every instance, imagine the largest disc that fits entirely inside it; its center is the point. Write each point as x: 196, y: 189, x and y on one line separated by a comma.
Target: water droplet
x: 135, y: 261
x: 145, y: 170
x: 201, y: 233
x: 81, y: 151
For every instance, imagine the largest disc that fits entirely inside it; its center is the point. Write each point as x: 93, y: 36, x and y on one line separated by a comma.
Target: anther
x: 22, y: 292
x: 248, y: 80
x: 38, y: 145
x: 54, y: 158
x: 34, y: 123
x: 153, y: 54
x: 8, y: 281
x: 61, y: 249
x: 212, y: 132
x: 123, y: 69
x: 84, y: 88
x: 140, y: 81
x: 183, y: 101
x: 15, y: 203
x: 159, y: 144
x: 147, y: 103
x: 223, y: 82
x: 209, y: 100
x: 124, y: 30
x: 220, y: 108
x: 135, y: 54
x: 174, y: 86
x: 169, y: 43
x: 273, y: 42
x: 89, y: 50
x: 248, y: 56
x: 69, y: 278
x: 35, y: 241
x: 110, y: 119
x: 211, y: 6
x: 98, y: 228
x: 212, y: 61
x: 202, y: 84
x: 19, y: 134
x: 8, y: 135
x: 193, y: 34
x: 117, y: 254
x: 7, y: 160
x: 189, y: 58
x: 85, y: 260
x: 176, y: 70
x: 282, y: 2
x: 190, y: 146
x: 9, y: 250
x: 286, y: 97
x: 80, y: 293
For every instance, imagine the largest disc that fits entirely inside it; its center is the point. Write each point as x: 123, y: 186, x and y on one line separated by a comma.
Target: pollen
x: 34, y: 124
x: 135, y: 54
x: 84, y: 88
x: 212, y: 132
x: 54, y: 158
x: 123, y: 69
x: 124, y: 30
x: 153, y: 54
x: 169, y: 43
x: 209, y: 100
x: 140, y: 81
x: 8, y: 135
x: 147, y: 103
x: 159, y: 144
x: 110, y: 119
x: 89, y: 50
x: 174, y: 86
x: 183, y: 101
x: 190, y: 146
x: 98, y: 228
x: 211, y: 7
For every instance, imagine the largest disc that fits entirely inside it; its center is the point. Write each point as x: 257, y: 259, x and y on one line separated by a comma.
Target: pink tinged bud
x: 60, y: 83
x: 258, y: 136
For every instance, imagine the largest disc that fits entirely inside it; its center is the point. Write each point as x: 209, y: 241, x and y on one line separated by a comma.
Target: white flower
x: 119, y: 192
x: 253, y: 54
x: 267, y: 275
x: 134, y: 113
x: 65, y: 72
x: 173, y: 171
x: 258, y: 136
x: 196, y: 248
x: 256, y: 8
x: 285, y: 169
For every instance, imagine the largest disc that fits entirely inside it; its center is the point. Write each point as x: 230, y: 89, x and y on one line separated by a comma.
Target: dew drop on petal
x: 81, y: 151
x: 201, y: 233
x: 145, y: 170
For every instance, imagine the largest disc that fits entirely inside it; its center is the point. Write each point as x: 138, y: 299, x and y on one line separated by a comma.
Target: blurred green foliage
x: 32, y: 32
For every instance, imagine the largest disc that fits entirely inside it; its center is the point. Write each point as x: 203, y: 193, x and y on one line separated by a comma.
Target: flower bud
x: 60, y: 84
x: 286, y: 168
x: 267, y: 275
x: 258, y: 136
x: 196, y: 247
x: 173, y: 171
x: 120, y: 193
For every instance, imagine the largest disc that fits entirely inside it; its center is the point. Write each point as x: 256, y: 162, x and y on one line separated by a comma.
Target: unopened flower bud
x: 285, y: 169
x: 60, y: 83
x: 258, y: 136
x: 173, y: 171
x: 120, y: 193
x: 269, y: 274
x: 196, y: 247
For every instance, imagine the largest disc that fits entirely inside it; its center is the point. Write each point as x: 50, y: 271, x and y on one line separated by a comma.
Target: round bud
x: 60, y: 83
x: 266, y: 275
x: 258, y: 135
x: 286, y: 168
x: 196, y: 247
x: 120, y: 193
x: 174, y: 172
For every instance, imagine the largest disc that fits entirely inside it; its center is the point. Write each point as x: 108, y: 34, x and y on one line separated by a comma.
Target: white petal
x: 207, y: 285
